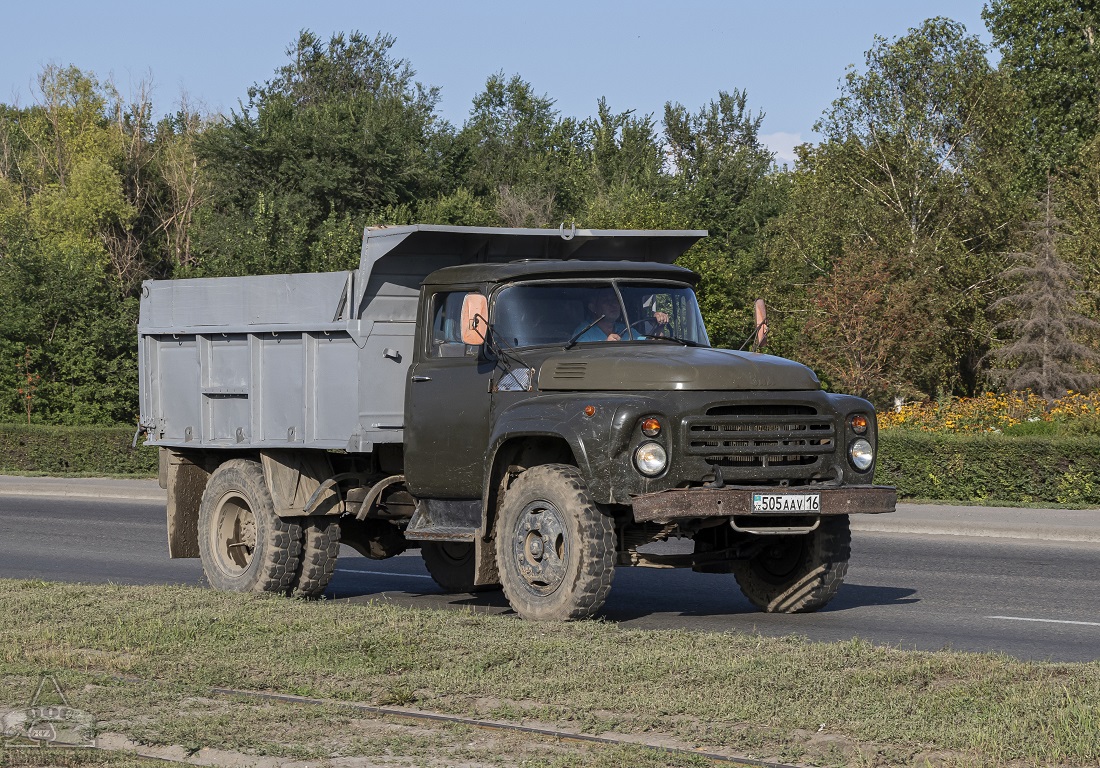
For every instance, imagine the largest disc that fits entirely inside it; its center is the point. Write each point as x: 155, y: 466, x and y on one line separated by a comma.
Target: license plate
x: 786, y: 502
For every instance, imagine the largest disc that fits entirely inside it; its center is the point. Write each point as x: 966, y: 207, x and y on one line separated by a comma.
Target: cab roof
x: 533, y: 269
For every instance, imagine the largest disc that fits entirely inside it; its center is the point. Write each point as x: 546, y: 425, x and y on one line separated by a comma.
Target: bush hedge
x: 74, y: 450
x: 978, y: 468
x: 922, y: 465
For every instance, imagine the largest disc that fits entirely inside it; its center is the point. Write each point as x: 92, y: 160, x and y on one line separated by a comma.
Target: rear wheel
x: 555, y: 546
x: 320, y: 550
x: 798, y: 574
x: 243, y: 544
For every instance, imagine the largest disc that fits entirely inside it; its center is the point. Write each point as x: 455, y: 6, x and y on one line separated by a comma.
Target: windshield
x: 531, y: 314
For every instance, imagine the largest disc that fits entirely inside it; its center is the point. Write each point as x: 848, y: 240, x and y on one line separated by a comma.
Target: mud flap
x: 292, y: 478
x: 185, y: 481
x: 485, y: 563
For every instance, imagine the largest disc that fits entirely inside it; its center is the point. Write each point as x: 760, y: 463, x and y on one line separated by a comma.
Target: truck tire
x: 555, y: 546
x: 320, y: 550
x: 243, y: 544
x: 451, y: 565
x: 798, y: 574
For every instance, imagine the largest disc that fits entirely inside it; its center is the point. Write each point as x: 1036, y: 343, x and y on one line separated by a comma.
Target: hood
x: 655, y: 367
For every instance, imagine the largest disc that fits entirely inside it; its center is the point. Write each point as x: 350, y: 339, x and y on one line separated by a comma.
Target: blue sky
x: 788, y: 54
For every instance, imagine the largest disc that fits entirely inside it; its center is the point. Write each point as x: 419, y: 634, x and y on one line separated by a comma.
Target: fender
x: 597, y: 442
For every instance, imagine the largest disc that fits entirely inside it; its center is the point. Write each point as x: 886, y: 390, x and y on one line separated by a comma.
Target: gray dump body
x: 319, y: 360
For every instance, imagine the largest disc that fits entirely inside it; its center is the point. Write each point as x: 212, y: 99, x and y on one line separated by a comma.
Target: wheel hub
x: 234, y: 534
x: 539, y: 547
x: 781, y: 558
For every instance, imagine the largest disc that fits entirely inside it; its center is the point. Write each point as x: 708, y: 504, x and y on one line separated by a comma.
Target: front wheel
x: 555, y: 546
x: 798, y: 574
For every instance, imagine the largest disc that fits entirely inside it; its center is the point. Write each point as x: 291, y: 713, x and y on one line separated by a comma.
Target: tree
x: 340, y: 132
x: 77, y: 185
x: 721, y: 181
x: 867, y: 331
x: 1044, y: 351
x: 524, y: 157
x: 183, y: 188
x: 918, y: 168
x: 1049, y: 50
x: 1078, y: 206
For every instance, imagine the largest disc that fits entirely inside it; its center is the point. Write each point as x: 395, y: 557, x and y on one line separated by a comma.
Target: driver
x: 603, y: 303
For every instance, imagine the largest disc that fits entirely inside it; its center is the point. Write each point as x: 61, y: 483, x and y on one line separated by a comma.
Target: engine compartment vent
x: 569, y: 371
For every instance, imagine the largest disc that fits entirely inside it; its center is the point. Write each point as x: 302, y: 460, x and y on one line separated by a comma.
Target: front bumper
x: 687, y: 503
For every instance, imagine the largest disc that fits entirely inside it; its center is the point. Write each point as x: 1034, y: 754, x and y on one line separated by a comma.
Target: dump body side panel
x: 268, y: 362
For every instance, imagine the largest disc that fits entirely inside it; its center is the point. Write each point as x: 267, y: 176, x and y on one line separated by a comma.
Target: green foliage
x: 340, y: 131
x: 878, y: 252
x: 913, y: 196
x: 974, y: 468
x: 1077, y: 206
x: 1049, y: 50
x: 73, y: 450
x: 721, y: 180
x: 511, y: 130
x: 75, y: 218
x: 1079, y: 427
x: 79, y: 336
x: 977, y: 468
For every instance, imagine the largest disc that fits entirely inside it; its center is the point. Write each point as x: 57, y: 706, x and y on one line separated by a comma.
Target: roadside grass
x: 78, y: 475
x: 144, y: 659
x: 73, y: 758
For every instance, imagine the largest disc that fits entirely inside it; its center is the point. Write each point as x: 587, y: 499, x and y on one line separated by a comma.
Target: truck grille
x: 760, y: 436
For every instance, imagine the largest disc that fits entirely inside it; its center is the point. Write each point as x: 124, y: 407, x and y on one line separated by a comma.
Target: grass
x: 845, y: 703
x: 119, y: 475
x: 73, y: 758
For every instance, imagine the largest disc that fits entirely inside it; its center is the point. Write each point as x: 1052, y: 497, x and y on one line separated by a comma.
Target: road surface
x: 1030, y: 599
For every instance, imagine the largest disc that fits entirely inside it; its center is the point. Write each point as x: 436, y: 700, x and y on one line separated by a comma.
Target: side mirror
x: 760, y: 318
x: 475, y: 313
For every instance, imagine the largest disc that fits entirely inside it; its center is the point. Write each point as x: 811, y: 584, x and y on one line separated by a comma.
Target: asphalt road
x: 1030, y: 599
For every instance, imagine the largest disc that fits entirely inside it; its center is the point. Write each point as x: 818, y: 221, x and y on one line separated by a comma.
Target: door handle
x: 421, y: 378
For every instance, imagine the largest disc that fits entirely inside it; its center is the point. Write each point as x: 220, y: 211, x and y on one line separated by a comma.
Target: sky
x: 789, y: 55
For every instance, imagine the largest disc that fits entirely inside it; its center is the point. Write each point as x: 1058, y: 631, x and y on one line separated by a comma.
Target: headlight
x: 861, y: 454
x: 650, y: 459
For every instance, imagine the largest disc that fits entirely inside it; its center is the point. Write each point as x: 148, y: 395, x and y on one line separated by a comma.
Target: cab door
x: 446, y: 404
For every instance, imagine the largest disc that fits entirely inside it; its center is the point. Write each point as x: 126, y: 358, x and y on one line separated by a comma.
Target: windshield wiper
x: 677, y: 339
x: 583, y: 331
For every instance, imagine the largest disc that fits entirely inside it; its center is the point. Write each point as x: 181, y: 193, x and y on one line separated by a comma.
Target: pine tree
x: 1045, y: 353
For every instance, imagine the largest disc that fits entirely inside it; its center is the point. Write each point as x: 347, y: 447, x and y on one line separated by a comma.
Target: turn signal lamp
x: 590, y: 410
x: 859, y: 424
x: 651, y: 427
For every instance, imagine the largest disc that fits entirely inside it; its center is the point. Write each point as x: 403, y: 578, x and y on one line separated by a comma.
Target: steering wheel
x: 648, y: 326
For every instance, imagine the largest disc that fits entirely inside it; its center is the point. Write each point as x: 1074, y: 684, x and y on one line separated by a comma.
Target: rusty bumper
x: 683, y: 503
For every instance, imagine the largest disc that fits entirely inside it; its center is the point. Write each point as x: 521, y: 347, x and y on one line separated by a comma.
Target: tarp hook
x: 572, y: 231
